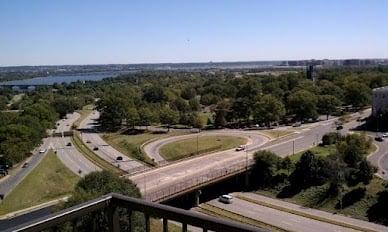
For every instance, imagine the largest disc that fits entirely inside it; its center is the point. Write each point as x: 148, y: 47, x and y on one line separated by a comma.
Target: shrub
x: 351, y: 197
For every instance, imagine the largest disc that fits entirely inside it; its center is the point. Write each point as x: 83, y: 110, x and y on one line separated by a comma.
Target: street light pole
x: 197, y: 145
x: 246, y: 169
x: 293, y: 147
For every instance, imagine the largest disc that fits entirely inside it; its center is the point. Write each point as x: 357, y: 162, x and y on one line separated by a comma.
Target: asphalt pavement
x: 152, y: 149
x: 8, y: 183
x: 93, y: 140
x: 291, y: 221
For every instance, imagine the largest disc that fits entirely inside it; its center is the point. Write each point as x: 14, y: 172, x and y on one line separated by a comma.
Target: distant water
x: 50, y: 80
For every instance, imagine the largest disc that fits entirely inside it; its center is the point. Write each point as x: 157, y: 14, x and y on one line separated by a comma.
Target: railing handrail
x: 114, y: 200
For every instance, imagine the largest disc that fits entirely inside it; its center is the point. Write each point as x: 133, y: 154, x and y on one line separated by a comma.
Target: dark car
x: 119, y: 158
x: 95, y: 149
x: 340, y: 127
x: 25, y: 165
x: 379, y: 139
x: 68, y: 144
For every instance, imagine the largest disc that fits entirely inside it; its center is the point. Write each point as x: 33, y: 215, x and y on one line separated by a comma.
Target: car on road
x: 240, y: 148
x: 88, y: 141
x: 340, y: 127
x: 227, y: 199
x: 68, y: 144
x: 385, y: 135
x: 25, y: 165
x: 298, y: 124
x: 42, y: 151
x: 95, y: 149
x: 379, y: 139
x: 119, y: 158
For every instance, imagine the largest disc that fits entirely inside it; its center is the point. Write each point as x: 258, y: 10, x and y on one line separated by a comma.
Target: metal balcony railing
x: 110, y: 205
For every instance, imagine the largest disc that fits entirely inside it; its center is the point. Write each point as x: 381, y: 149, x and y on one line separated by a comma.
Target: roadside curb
x: 33, y: 208
x: 238, y: 215
x: 303, y: 214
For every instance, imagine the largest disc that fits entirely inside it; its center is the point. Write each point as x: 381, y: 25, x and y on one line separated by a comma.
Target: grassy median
x: 93, y: 157
x: 130, y: 145
x: 206, y: 144
x: 48, y: 181
x: 86, y: 110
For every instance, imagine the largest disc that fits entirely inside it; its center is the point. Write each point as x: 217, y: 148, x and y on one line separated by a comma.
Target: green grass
x: 157, y: 226
x: 128, y: 144
x: 188, y: 147
x: 86, y: 110
x: 274, y: 134
x: 321, y: 151
x: 312, y: 196
x: 48, y: 181
x: 94, y: 158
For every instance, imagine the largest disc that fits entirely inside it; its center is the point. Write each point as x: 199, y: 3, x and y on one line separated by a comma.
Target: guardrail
x: 110, y: 205
x: 196, y: 182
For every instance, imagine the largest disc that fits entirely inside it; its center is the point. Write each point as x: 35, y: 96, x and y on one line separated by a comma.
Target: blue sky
x: 38, y: 32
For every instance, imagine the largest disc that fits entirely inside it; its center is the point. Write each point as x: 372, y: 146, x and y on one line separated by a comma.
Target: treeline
x: 178, y: 97
x: 343, y: 175
x: 22, y: 131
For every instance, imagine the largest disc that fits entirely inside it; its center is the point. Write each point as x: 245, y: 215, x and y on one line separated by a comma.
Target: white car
x: 385, y: 135
x: 227, y: 199
x: 240, y: 148
x: 42, y: 151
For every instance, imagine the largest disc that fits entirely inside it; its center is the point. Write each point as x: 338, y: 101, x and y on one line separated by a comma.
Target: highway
x: 165, y: 179
x: 8, y: 183
x: 69, y: 155
x: 92, y: 139
x: 292, y: 221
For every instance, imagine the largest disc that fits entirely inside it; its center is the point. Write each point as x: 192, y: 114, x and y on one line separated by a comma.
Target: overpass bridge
x: 196, y: 183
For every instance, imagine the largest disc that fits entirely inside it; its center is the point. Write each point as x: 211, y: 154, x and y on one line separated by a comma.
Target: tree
x: 194, y: 104
x: 168, y: 117
x: 266, y: 163
x: 146, y: 116
x: 378, y: 212
x: 241, y: 109
x: 307, y: 172
x: 97, y: 184
x: 154, y: 94
x: 303, y: 104
x: 353, y: 148
x: 188, y: 93
x: 357, y: 94
x: 327, y: 104
x: 197, y: 122
x: 181, y: 105
x: 365, y: 172
x: 3, y: 102
x: 221, y: 112
x: 268, y: 109
x: 286, y: 164
x: 132, y: 117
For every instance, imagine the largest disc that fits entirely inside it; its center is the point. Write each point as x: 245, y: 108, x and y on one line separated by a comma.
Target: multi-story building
x: 380, y: 100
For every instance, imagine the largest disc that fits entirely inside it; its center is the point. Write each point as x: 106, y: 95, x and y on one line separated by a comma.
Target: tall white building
x: 380, y: 100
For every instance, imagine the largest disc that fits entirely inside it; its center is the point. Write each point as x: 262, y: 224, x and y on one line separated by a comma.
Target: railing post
x: 184, y: 227
x: 147, y: 222
x: 165, y: 225
x: 113, y: 219
x: 204, y: 230
x: 129, y: 220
